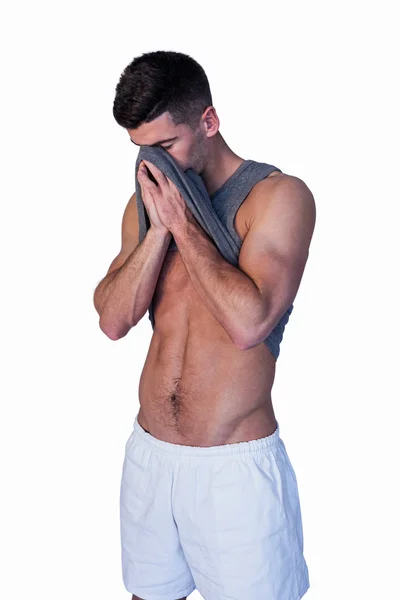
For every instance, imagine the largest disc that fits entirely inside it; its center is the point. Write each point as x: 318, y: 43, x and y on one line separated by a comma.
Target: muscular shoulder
x: 277, y: 194
x: 277, y: 186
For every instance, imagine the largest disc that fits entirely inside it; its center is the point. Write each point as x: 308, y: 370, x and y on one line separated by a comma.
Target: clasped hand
x: 171, y: 207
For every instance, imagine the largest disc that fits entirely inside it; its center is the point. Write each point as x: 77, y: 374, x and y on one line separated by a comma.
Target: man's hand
x: 148, y: 200
x: 171, y: 207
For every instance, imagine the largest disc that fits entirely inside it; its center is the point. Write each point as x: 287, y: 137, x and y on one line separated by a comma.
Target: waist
x: 212, y: 451
x: 204, y: 392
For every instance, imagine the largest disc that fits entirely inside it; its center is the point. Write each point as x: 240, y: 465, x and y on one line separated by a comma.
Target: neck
x: 221, y: 163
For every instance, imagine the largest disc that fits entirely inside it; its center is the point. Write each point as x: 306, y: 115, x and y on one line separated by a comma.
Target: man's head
x: 162, y: 95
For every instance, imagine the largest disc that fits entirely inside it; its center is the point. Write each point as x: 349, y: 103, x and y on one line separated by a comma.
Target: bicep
x: 275, y: 250
x: 129, y: 234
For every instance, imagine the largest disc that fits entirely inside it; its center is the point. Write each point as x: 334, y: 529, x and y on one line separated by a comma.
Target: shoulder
x: 278, y: 182
x: 282, y: 190
x: 283, y: 202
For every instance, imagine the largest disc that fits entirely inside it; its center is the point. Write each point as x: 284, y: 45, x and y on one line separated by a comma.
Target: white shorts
x: 224, y: 520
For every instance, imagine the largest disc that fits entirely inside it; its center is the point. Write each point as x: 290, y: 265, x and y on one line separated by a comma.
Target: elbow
x: 108, y: 331
x: 253, y: 335
x: 112, y: 335
x: 241, y: 340
x: 256, y: 337
x: 114, y: 332
x: 247, y: 344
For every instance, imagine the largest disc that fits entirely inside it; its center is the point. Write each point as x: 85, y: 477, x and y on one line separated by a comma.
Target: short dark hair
x: 161, y: 81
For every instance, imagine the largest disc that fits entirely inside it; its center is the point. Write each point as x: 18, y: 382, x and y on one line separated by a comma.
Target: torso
x: 197, y: 388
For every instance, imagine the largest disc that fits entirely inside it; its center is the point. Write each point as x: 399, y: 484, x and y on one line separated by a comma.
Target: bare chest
x: 175, y: 290
x: 174, y: 280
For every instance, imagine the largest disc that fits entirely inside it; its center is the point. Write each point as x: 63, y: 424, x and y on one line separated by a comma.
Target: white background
x: 309, y: 87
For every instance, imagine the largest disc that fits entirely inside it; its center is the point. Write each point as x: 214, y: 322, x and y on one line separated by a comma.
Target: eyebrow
x: 157, y: 143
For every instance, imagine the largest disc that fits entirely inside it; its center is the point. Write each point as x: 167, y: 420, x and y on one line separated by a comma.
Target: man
x: 209, y: 497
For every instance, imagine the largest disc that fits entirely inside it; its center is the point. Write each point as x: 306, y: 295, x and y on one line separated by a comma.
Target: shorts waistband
x: 236, y: 449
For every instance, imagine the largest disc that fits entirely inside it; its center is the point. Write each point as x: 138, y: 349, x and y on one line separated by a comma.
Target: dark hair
x: 161, y: 81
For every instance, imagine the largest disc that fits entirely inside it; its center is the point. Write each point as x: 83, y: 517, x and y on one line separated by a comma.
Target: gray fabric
x: 214, y: 213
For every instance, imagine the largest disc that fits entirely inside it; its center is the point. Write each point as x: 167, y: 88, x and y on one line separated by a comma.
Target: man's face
x: 186, y: 147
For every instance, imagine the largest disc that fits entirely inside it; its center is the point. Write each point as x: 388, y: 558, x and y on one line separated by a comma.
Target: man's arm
x: 249, y: 300
x: 275, y: 252
x: 125, y: 293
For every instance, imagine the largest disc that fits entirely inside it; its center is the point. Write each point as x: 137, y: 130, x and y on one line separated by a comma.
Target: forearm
x: 102, y: 291
x: 123, y: 297
x: 230, y: 295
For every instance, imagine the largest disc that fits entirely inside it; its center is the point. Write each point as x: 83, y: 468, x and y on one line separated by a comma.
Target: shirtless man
x: 209, y: 497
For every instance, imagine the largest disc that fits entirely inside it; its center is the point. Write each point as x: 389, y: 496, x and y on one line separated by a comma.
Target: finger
x: 146, y: 184
x: 158, y: 175
x: 143, y: 176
